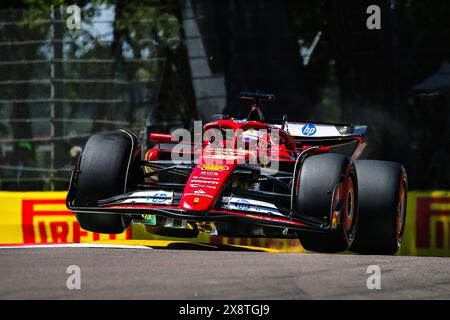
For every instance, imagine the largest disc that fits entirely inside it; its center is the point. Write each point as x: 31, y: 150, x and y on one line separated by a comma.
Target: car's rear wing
x: 308, y: 130
x: 326, y: 134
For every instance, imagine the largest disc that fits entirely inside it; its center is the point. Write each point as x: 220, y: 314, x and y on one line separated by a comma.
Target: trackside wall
x: 41, y: 217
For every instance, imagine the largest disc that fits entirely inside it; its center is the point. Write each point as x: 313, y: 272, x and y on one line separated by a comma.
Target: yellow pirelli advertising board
x: 42, y: 217
x: 427, y: 230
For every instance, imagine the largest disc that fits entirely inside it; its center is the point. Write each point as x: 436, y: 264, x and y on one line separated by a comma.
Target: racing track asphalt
x: 197, y: 274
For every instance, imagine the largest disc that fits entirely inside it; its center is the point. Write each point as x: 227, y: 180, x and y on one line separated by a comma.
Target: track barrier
x: 42, y: 218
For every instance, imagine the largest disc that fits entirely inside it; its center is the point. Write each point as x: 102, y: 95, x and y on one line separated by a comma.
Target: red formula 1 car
x: 263, y: 179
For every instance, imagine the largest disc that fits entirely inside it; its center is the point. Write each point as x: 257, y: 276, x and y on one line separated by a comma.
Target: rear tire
x: 328, y: 182
x: 382, y: 205
x: 103, y: 174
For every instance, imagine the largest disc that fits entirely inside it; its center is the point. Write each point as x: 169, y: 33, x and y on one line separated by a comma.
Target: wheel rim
x: 337, y: 200
x: 400, y: 219
x: 345, y: 194
x: 349, y: 207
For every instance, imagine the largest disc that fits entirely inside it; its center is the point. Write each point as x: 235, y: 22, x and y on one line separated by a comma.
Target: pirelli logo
x: 433, y: 223
x: 48, y: 221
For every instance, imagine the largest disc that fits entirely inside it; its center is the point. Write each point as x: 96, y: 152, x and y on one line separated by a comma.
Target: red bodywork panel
x: 205, y: 185
x: 212, y: 172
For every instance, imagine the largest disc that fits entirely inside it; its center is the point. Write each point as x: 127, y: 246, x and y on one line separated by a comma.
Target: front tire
x: 327, y: 184
x: 102, y: 174
x: 383, y: 195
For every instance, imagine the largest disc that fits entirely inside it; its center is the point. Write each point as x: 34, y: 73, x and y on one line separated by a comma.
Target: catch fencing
x: 60, y: 84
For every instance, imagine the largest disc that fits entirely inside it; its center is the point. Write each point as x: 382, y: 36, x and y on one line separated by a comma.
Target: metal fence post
x: 56, y: 91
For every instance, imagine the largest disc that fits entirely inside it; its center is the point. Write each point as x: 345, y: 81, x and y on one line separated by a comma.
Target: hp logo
x: 309, y: 129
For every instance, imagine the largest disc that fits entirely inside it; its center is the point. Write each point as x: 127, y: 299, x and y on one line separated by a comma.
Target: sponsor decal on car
x: 221, y: 156
x: 242, y: 204
x: 196, y: 185
x: 150, y: 197
x: 213, y: 167
x: 209, y: 173
x: 200, y: 191
x: 161, y: 198
x: 309, y: 129
x: 206, y: 178
x: 198, y: 195
x: 298, y: 129
x: 205, y: 182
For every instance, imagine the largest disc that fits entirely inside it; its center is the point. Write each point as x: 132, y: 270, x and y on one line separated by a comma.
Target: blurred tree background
x: 125, y: 67
x: 165, y: 62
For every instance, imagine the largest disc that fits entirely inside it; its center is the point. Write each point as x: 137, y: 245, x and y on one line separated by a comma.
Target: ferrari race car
x: 278, y: 179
